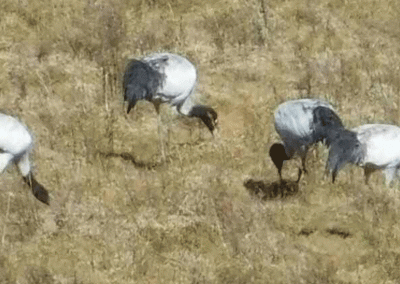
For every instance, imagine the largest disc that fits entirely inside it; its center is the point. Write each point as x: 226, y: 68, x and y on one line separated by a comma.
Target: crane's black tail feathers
x: 141, y: 81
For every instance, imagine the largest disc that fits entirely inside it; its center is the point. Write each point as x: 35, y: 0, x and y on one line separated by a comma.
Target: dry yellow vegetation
x: 119, y: 216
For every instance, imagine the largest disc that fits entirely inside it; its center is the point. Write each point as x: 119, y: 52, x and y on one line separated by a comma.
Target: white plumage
x: 15, y: 145
x: 299, y: 126
x: 380, y: 144
x: 179, y: 80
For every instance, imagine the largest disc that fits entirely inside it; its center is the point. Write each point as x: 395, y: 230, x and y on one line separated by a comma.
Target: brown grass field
x: 213, y: 212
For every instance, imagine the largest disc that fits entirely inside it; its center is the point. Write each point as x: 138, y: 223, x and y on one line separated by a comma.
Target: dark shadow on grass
x: 129, y: 157
x: 196, y: 142
x: 271, y: 190
x: 343, y: 233
x: 307, y: 231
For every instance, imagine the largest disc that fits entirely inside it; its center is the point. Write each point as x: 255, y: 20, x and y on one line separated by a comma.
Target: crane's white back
x: 381, y: 145
x: 179, y: 79
x: 14, y: 136
x: 15, y: 144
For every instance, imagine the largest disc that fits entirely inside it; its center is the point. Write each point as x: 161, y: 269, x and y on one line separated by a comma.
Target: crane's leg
x: 303, y: 164
x: 299, y: 175
x: 160, y: 132
x: 367, y: 173
x: 389, y: 175
x: 304, y: 159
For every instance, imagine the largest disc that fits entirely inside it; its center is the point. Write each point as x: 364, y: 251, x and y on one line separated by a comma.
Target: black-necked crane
x: 15, y: 145
x: 165, y: 78
x: 378, y: 148
x: 300, y: 124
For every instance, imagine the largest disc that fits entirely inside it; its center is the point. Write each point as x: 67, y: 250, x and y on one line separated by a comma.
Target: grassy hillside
x: 120, y: 216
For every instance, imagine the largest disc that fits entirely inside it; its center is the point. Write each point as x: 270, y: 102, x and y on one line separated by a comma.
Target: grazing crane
x: 15, y: 145
x: 165, y: 78
x: 300, y: 124
x: 378, y: 147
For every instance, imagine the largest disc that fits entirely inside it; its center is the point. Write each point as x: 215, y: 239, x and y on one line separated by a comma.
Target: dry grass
x: 213, y: 212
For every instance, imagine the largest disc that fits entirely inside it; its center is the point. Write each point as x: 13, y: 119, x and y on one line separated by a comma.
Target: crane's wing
x: 157, y: 61
x: 140, y: 82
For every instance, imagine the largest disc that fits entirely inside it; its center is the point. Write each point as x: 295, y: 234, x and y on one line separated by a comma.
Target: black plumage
x: 344, y: 149
x: 140, y: 82
x: 37, y: 189
x: 326, y: 125
x: 344, y: 146
x: 206, y: 114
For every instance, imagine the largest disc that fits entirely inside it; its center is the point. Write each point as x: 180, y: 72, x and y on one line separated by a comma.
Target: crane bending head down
x: 15, y: 145
x: 305, y: 122
x: 166, y: 78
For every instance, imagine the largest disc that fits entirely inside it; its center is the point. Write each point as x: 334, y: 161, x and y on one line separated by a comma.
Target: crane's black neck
x: 37, y: 189
x: 327, y: 126
x: 344, y: 148
x: 207, y: 114
x: 278, y: 155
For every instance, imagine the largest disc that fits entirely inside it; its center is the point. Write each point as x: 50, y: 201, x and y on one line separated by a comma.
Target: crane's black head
x: 208, y: 115
x: 326, y: 124
x: 346, y: 149
x: 278, y: 155
x: 38, y: 190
